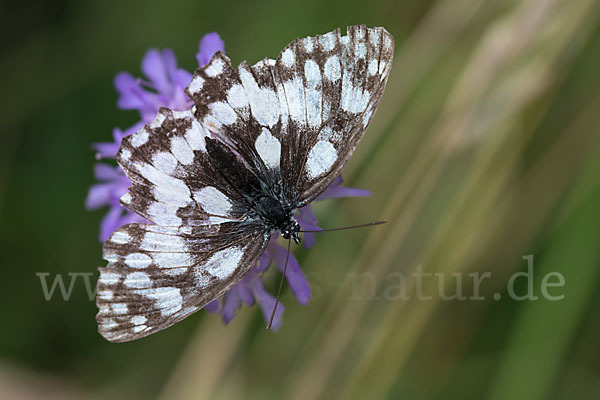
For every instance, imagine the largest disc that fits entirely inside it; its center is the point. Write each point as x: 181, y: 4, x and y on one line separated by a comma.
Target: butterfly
x: 260, y: 142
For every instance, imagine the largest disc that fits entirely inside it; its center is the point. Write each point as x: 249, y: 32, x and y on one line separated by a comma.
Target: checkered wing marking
x: 343, y: 78
x: 302, y: 115
x: 157, y: 276
x: 175, y: 181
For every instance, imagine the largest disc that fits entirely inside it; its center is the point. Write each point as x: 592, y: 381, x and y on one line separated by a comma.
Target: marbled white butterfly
x: 217, y: 180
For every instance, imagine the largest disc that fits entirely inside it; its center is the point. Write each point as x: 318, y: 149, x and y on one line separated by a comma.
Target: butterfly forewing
x: 343, y: 78
x: 303, y: 113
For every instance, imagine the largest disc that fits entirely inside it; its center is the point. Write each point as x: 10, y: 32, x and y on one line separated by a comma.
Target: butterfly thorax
x: 265, y: 200
x: 278, y: 217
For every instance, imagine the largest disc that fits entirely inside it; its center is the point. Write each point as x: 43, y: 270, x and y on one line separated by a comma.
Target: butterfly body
x: 266, y: 205
x: 216, y: 181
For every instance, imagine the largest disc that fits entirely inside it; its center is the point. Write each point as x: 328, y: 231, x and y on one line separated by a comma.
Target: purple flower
x: 165, y: 83
x: 251, y: 288
x: 163, y: 86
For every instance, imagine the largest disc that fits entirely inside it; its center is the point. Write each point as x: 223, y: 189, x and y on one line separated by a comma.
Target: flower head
x: 163, y: 86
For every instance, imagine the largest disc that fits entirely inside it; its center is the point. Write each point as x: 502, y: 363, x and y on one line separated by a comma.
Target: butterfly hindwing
x: 157, y: 276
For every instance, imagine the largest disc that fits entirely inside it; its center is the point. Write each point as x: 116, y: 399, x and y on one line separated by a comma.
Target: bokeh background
x: 484, y: 150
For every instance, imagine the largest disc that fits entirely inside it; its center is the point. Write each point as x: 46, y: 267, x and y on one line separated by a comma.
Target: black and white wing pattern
x: 199, y: 245
x: 157, y: 276
x: 215, y: 181
x: 303, y: 114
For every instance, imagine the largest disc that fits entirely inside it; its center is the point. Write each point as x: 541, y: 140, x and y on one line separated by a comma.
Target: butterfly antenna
x: 383, y: 221
x: 287, y: 257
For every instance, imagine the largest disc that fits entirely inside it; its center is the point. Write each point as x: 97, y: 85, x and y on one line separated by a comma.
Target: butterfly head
x: 291, y: 230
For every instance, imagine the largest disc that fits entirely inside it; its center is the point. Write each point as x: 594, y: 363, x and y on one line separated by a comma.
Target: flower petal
x: 105, y: 172
x: 244, y: 291
x: 213, y: 306
x: 129, y: 92
x: 99, y: 195
x: 209, y: 45
x: 231, y: 303
x: 105, y: 149
x: 110, y: 222
x: 155, y: 65
x: 341, y: 191
x: 308, y: 222
x: 266, y: 302
x: 181, y: 78
x: 335, y: 191
x: 293, y: 274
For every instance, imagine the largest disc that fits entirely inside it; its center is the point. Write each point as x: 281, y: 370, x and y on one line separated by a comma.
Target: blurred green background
x: 484, y: 150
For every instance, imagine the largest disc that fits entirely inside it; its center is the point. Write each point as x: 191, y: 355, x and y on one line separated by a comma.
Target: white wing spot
x: 294, y: 90
x: 126, y: 198
x: 125, y: 154
x: 268, y: 148
x: 139, y: 138
x: 327, y: 133
x: 137, y: 280
x: 164, y: 214
x: 139, y: 328
x: 195, y: 136
x: 174, y: 271
x: 373, y: 64
x: 158, y: 242
x: 105, y: 294
x: 320, y: 158
x: 202, y: 280
x: 312, y: 72
x: 165, y: 162
x: 224, y: 262
x: 111, y: 257
x: 382, y: 66
x: 213, y: 201
x: 138, y: 320
x: 288, y: 58
x: 223, y: 112
x: 196, y: 84
x: 109, y: 278
x: 181, y: 150
x: 374, y: 38
x: 355, y: 100
x: 138, y: 260
x: 120, y: 237
x: 308, y: 44
x: 215, y: 68
x: 328, y: 41
x: 170, y: 260
x: 236, y: 96
x: 332, y: 69
x: 168, y: 299
x: 361, y: 50
x: 218, y: 220
x: 387, y: 42
x: 264, y: 103
x: 157, y: 122
x: 119, y: 308
x: 109, y: 324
